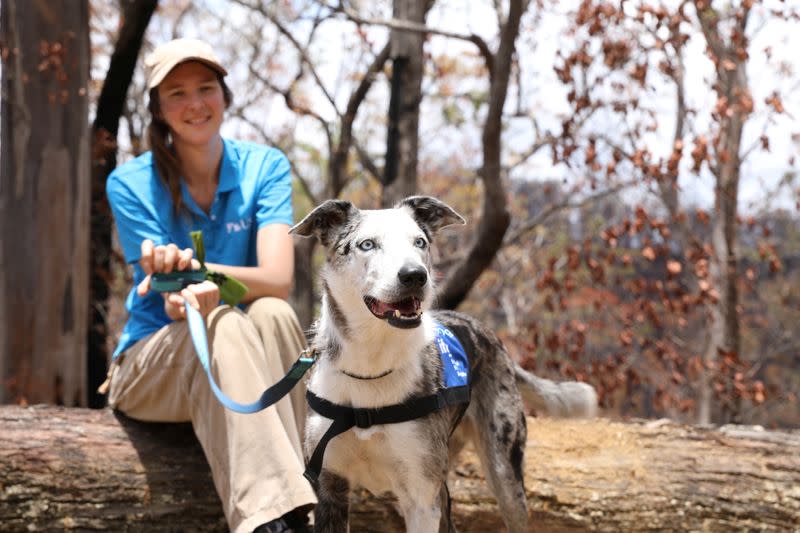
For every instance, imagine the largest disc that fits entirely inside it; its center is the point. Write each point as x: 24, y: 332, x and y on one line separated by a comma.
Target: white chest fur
x: 382, y: 458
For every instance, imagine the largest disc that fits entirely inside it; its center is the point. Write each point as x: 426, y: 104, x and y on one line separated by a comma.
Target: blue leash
x: 231, y: 292
x: 197, y: 329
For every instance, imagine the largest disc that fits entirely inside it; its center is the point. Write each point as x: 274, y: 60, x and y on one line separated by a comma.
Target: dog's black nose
x: 413, y: 276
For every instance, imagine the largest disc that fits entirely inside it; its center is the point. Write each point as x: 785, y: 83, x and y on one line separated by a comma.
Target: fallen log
x: 93, y: 469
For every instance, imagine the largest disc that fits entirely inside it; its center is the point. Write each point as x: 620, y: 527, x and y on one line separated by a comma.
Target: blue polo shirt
x: 255, y: 189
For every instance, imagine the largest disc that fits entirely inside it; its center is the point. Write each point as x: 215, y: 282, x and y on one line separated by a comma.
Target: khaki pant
x: 256, y: 459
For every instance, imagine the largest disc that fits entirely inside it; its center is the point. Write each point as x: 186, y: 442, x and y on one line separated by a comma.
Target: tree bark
x: 44, y: 202
x: 80, y: 468
x: 93, y: 469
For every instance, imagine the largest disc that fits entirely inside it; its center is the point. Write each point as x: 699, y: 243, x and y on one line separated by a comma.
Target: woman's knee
x: 228, y: 322
x: 272, y: 310
x: 233, y: 338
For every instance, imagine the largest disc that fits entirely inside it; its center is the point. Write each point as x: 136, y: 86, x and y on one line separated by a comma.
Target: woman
x: 239, y: 195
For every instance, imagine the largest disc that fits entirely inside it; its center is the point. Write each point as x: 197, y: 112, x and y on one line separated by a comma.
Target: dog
x: 375, y: 347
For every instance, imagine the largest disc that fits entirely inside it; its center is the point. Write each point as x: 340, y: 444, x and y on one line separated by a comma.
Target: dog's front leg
x: 424, y: 518
x: 331, y: 512
x: 422, y: 510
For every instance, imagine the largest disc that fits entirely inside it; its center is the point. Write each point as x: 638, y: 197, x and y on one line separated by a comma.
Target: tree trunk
x: 581, y: 476
x: 44, y: 202
x: 402, y: 139
x: 303, y: 295
x: 104, y: 159
x: 724, y: 333
x: 495, y: 217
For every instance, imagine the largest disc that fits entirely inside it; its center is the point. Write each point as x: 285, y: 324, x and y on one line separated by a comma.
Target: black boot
x: 295, y: 521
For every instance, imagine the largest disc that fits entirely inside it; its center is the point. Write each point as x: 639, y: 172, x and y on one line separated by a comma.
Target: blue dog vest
x: 454, y: 359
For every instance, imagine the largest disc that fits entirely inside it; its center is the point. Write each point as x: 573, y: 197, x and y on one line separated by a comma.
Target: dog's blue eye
x: 366, y: 245
x: 420, y: 243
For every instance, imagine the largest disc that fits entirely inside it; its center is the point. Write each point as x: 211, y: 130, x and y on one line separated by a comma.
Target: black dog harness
x: 454, y: 391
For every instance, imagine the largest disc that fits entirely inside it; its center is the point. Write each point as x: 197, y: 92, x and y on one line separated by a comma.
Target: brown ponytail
x: 164, y: 157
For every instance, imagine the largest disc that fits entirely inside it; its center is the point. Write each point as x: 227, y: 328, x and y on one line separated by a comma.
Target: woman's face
x: 192, y: 103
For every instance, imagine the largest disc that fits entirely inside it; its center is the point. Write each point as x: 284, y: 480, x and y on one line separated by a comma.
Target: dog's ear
x: 431, y: 213
x: 323, y: 219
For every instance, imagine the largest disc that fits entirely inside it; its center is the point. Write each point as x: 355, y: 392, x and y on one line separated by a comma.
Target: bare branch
x: 366, y: 161
x: 498, y: 11
x: 268, y: 139
x: 756, y: 143
x: 709, y: 18
x: 667, y: 192
x: 339, y: 154
x: 291, y: 103
x: 406, y: 25
x: 301, y: 50
x: 516, y: 236
x: 542, y: 142
x: 547, y: 140
x: 182, y: 15
x: 306, y: 187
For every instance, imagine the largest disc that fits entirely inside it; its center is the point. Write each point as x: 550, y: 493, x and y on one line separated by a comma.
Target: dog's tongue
x: 407, y: 306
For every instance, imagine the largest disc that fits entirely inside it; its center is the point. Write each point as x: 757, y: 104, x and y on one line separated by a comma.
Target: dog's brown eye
x: 420, y: 243
x: 366, y: 245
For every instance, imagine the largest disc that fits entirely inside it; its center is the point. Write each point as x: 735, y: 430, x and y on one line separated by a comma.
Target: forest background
x: 627, y: 170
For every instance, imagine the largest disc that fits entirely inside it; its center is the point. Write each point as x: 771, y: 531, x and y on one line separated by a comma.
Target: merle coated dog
x: 375, y: 343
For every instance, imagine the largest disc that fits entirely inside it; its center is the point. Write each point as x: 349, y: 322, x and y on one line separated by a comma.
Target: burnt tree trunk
x: 402, y: 138
x: 81, y: 468
x: 44, y: 202
x: 110, y: 104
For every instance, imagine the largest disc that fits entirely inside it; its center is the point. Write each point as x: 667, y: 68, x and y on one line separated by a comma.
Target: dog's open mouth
x: 405, y: 313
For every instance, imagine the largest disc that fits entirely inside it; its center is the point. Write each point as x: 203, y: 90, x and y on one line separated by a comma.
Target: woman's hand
x: 202, y: 296
x: 163, y: 258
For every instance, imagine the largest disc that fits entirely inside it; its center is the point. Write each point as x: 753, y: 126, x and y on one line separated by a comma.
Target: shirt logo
x: 237, y: 226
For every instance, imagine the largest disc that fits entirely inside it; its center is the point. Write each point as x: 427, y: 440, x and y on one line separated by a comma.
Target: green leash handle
x: 176, y: 281
x: 231, y: 290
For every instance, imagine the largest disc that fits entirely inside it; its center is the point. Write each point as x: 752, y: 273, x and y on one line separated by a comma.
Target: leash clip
x: 308, y: 355
x: 306, y: 360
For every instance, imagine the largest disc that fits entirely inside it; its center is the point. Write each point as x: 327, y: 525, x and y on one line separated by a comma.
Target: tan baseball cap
x: 169, y: 55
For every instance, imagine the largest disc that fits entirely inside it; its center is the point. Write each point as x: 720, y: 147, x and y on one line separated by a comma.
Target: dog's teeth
x: 397, y: 313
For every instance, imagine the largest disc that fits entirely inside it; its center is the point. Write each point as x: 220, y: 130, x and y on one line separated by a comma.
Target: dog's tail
x: 568, y: 399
